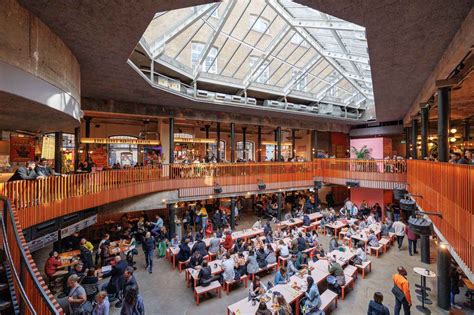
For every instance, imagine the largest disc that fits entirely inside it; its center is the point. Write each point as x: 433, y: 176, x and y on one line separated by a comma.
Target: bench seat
x: 349, y: 284
x: 376, y: 249
x: 214, y: 286
x: 367, y: 265
x: 351, y: 271
x: 326, y: 300
x: 385, y: 242
x: 227, y: 284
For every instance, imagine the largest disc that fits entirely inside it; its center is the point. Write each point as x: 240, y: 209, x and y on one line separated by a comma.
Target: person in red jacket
x: 228, y: 242
x: 412, y: 237
x: 52, y: 264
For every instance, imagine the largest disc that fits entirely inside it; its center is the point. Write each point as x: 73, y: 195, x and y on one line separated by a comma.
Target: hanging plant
x: 361, y: 154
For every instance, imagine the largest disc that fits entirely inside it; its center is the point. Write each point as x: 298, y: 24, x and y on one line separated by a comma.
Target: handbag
x: 399, y: 295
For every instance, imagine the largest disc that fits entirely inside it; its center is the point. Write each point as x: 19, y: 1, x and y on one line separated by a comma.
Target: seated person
x: 52, y: 264
x: 257, y: 224
x: 318, y: 253
x: 301, y: 242
x: 363, y: 224
x: 371, y: 219
x: 270, y: 256
x: 333, y: 244
x: 291, y: 266
x: 281, y: 277
x: 174, y: 241
x: 302, y: 261
x: 361, y: 255
x: 288, y: 216
x: 386, y: 227
x: 256, y: 287
x: 199, y: 246
x: 267, y: 229
x: 372, y: 239
x: 184, y: 251
x: 228, y: 267
x: 221, y: 253
x: 278, y: 234
x: 352, y: 230
x: 196, y: 259
x: 262, y: 263
x: 336, y: 270
x: 228, y: 242
x: 240, y: 264
x: 205, y: 274
x: 306, y: 220
x: 283, y: 249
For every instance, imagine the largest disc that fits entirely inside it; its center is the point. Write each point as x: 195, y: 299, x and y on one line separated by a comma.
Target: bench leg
x: 343, y: 293
x: 246, y: 281
x: 336, y: 301
x: 219, y: 292
x: 197, y: 298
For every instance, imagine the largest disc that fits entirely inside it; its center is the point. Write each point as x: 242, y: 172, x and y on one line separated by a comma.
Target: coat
x: 252, y: 266
x: 23, y: 173
x: 184, y: 252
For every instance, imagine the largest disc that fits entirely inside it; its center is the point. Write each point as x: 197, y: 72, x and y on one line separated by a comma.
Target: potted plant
x: 361, y: 154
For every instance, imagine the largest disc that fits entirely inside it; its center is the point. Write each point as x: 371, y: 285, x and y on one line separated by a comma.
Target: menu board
x: 42, y: 241
x: 47, y: 149
x: 22, y: 149
x: 78, y: 226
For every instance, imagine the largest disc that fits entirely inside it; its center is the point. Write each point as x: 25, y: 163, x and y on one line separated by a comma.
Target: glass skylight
x: 277, y: 47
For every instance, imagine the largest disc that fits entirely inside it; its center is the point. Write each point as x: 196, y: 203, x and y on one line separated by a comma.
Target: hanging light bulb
x: 453, y: 130
x: 452, y: 139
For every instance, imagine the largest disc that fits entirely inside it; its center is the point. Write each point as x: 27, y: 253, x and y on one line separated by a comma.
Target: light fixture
x: 90, y: 152
x: 430, y: 144
x: 453, y: 130
x: 452, y: 139
x: 210, y: 197
x: 431, y: 138
x: 163, y: 200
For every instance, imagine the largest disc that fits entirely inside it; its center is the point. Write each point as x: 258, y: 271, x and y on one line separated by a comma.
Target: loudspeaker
x: 421, y: 226
x: 262, y: 186
x: 407, y: 205
x: 399, y: 194
x: 318, y: 184
x: 352, y: 184
x: 217, y: 190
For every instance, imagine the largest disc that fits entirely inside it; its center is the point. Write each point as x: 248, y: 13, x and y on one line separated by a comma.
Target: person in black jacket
x: 376, y: 307
x: 200, y: 247
x: 301, y: 242
x: 184, y: 251
x: 149, y: 245
x: 86, y: 258
x: 26, y: 173
x: 205, y: 274
x: 196, y: 259
x: 116, y: 276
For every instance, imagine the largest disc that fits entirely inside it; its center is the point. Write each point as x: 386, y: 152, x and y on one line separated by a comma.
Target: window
x: 208, y: 65
x: 215, y: 13
x: 263, y: 71
x: 260, y: 26
x: 249, y: 150
x: 213, y: 148
x: 299, y: 85
x: 297, y: 40
x: 123, y: 153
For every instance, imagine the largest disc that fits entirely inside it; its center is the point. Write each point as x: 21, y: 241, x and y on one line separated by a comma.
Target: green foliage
x: 363, y: 153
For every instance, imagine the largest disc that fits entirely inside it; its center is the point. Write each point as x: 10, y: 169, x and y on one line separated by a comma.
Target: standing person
x: 149, y: 245
x: 399, y: 230
x: 202, y: 214
x: 102, y: 304
x: 376, y: 307
x: 403, y: 297
x: 73, y: 303
x: 455, y: 277
x: 133, y: 303
x: 412, y: 237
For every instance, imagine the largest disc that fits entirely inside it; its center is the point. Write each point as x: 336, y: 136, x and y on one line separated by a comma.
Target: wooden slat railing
x: 449, y: 189
x: 32, y: 294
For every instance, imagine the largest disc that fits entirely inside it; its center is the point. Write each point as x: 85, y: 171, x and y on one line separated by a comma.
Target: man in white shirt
x: 258, y: 224
x: 399, y: 230
x: 228, y: 267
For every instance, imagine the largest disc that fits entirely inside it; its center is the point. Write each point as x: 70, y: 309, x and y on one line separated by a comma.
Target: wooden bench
x: 214, y: 286
x: 268, y: 267
x: 228, y: 284
x: 282, y: 261
x: 385, y: 242
x: 349, y: 284
x: 182, y: 264
x: 351, y: 271
x: 367, y: 265
x: 376, y: 249
x: 326, y: 300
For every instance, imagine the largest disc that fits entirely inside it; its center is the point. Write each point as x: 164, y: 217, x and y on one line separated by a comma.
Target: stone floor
x: 165, y: 290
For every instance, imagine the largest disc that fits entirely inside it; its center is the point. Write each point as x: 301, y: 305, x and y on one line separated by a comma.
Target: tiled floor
x: 165, y: 290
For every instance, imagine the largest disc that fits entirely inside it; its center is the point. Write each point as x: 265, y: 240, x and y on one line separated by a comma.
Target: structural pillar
x: 171, y: 153
x: 207, y: 137
x: 87, y: 134
x: 218, y: 142
x: 425, y: 110
x: 425, y: 249
x: 232, y: 142
x: 314, y: 144
x: 77, y: 147
x: 58, y: 156
x: 278, y: 140
x: 414, y: 135
x: 407, y: 142
x: 171, y: 215
x: 466, y: 130
x: 244, y: 143
x: 280, y: 205
x: 293, y: 143
x: 443, y: 123
x: 444, y: 283
x: 232, y: 213
x: 259, y: 144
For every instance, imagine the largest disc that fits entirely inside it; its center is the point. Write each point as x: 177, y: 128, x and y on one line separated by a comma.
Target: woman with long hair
x: 283, y: 307
x: 312, y: 299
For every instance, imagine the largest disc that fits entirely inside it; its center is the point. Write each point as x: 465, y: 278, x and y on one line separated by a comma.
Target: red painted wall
x: 383, y: 197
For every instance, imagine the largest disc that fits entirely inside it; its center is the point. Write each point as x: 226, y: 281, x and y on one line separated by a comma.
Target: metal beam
x: 322, y: 93
x: 257, y: 69
x: 328, y: 25
x: 309, y: 38
x: 307, y: 68
x: 157, y: 47
x: 213, y: 38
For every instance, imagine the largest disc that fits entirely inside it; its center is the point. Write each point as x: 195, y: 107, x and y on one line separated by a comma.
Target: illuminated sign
x: 76, y: 227
x: 120, y: 141
x: 194, y: 140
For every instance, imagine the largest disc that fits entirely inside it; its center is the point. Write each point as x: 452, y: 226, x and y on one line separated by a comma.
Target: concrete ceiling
x: 406, y: 39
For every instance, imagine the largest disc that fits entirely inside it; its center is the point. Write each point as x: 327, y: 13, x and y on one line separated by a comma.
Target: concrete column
x: 87, y: 134
x: 232, y: 213
x: 293, y: 143
x: 171, y: 141
x: 171, y: 214
x: 443, y: 123
x: 218, y: 142
x: 425, y: 248
x: 444, y: 281
x: 278, y: 131
x: 280, y: 205
x: 232, y: 142
x: 314, y: 144
x: 207, y: 137
x: 275, y: 153
x: 77, y: 146
x: 407, y: 142
x: 58, y: 155
x: 244, y: 142
x: 414, y: 135
x: 259, y: 144
x: 424, y: 131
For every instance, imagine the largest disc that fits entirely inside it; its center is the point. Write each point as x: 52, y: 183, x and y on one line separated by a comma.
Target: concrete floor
x: 165, y: 290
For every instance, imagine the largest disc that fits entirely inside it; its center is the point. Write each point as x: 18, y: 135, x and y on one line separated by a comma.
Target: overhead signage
x: 194, y: 140
x: 119, y: 141
x: 78, y: 226
x: 42, y: 241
